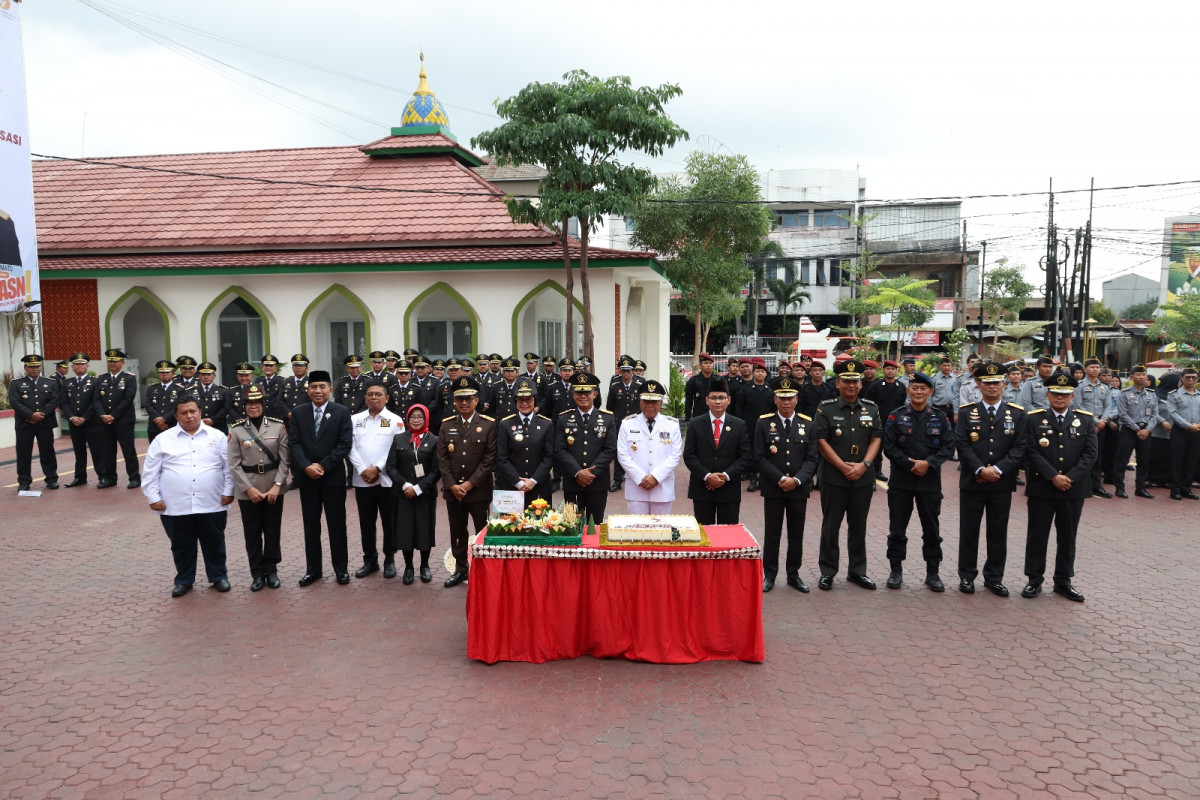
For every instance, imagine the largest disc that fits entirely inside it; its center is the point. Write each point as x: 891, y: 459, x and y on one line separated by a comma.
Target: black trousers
x: 792, y: 506
x: 854, y: 505
x: 466, y: 519
x: 590, y: 504
x: 618, y: 472
x: 82, y: 438
x: 1098, y: 467
x: 709, y: 513
x: 1064, y: 515
x: 109, y: 438
x: 186, y: 531
x: 1128, y: 443
x: 262, y: 524
x: 44, y: 436
x: 375, y: 502
x: 900, y: 508
x: 971, y: 509
x: 1185, y: 459
x: 1108, y: 453
x: 331, y: 500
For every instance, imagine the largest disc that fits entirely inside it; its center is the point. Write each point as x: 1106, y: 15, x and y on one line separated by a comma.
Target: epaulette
x: 489, y: 419
x: 1036, y: 411
x: 506, y: 419
x: 1014, y: 405
x: 447, y: 419
x: 604, y: 411
x: 631, y: 416
x: 768, y: 415
x: 831, y: 400
x: 804, y: 416
x: 1084, y: 411
x: 865, y: 400
x: 966, y: 405
x: 276, y: 419
x: 542, y: 416
x: 568, y: 411
x: 239, y: 422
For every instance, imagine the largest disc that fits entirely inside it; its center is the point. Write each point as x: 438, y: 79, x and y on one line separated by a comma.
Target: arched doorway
x: 335, y: 324
x: 442, y: 323
x: 144, y: 336
x: 539, y: 321
x: 240, y: 332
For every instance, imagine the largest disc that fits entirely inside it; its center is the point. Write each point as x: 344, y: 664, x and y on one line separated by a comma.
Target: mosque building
x: 322, y: 250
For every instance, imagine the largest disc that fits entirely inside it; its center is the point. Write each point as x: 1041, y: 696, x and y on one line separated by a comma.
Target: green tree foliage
x: 956, y: 343
x: 1017, y: 347
x: 909, y: 301
x: 1140, y: 310
x: 578, y: 130
x: 787, y: 294
x: 767, y: 252
x: 1102, y: 313
x: 1180, y: 324
x: 673, y: 407
x: 1005, y: 293
x: 705, y: 222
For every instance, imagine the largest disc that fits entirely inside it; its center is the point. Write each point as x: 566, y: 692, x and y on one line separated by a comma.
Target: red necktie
x: 716, y: 431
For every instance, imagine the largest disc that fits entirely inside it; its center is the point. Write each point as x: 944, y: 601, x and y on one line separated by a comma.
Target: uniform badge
x: 450, y: 447
x: 774, y: 449
x: 1043, y: 442
x: 520, y: 437
x: 837, y: 431
x: 1076, y: 423
x: 479, y: 429
x: 570, y: 440
x: 245, y: 444
x: 974, y: 436
x: 633, y: 447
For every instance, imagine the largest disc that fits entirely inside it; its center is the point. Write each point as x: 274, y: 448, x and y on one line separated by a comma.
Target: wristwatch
x: 868, y: 463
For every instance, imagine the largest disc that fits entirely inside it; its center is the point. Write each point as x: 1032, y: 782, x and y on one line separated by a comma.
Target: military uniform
x: 1137, y: 410
x: 294, y: 391
x: 114, y: 397
x: 77, y: 404
x: 945, y: 392
x: 695, y: 392
x: 160, y: 401
x: 1183, y: 411
x: 272, y: 387
x: 909, y: 436
x: 466, y: 453
x: 236, y: 410
x: 1066, y: 447
x: 213, y: 400
x: 259, y: 458
x: 848, y: 430
x: 1096, y: 398
x: 650, y: 448
x: 28, y: 396
x: 785, y: 448
x: 623, y: 401
x: 1033, y: 394
x: 582, y: 444
x: 525, y: 449
x: 987, y: 438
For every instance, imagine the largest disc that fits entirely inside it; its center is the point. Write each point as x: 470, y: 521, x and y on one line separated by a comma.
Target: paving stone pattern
x: 111, y: 689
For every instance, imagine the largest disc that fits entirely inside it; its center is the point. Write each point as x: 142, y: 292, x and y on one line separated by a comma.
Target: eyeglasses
x: 719, y: 398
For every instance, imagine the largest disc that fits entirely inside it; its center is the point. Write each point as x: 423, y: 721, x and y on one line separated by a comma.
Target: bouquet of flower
x: 539, y: 520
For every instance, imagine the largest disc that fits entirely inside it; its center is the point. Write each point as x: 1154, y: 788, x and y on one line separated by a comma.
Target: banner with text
x: 19, y: 283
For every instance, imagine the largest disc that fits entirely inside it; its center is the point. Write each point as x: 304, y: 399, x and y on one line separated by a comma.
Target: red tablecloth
x: 668, y: 605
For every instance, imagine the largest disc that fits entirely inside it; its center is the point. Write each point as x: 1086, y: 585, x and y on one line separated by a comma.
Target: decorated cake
x: 650, y: 528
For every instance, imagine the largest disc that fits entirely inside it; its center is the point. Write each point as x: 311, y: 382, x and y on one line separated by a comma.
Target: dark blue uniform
x: 910, y: 436
x: 784, y: 449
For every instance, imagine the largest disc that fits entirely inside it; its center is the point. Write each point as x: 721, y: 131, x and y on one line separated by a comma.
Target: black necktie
x: 787, y: 428
x: 525, y: 424
x: 650, y: 425
x: 991, y: 414
x: 317, y: 422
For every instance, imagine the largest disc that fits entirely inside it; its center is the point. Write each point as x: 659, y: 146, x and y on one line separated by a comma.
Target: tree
x: 787, y: 294
x: 1102, y: 313
x: 1180, y: 324
x: 1005, y: 292
x: 956, y: 342
x: 1140, y: 310
x: 704, y: 222
x: 767, y: 251
x: 577, y: 131
x: 1019, y: 331
x: 908, y: 300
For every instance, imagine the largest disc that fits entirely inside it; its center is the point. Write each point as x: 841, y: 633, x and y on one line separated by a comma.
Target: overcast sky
x: 949, y: 100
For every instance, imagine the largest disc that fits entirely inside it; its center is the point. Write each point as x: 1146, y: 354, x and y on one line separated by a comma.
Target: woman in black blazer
x: 412, y: 466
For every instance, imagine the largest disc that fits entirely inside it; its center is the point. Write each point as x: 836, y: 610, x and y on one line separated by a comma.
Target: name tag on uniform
x: 419, y: 470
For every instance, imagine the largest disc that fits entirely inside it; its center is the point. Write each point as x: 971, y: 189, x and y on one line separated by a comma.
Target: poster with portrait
x: 1181, y: 258
x: 19, y: 284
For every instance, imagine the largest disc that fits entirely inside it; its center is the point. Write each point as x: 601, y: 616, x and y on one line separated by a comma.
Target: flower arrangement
x: 539, y: 520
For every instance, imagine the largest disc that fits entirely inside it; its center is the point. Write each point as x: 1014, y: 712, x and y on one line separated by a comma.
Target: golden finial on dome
x: 423, y: 87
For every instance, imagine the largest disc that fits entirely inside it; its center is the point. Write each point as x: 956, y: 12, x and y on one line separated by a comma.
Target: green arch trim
x: 456, y: 297
x: 336, y: 288
x: 534, y: 292
x: 236, y: 291
x: 156, y: 304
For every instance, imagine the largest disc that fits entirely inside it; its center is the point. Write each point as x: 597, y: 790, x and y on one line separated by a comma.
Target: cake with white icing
x: 653, y: 528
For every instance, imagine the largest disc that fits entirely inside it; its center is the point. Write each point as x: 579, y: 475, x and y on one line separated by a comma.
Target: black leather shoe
x: 797, y: 583
x: 825, y: 583
x: 221, y: 585
x: 768, y: 584
x: 51, y: 485
x: 1031, y: 590
x: 293, y: 486
x: 343, y: 578
x: 753, y: 487
x: 1102, y: 493
x: 1130, y: 468
x: 861, y: 580
x: 966, y: 587
x: 426, y: 575
x: 106, y: 484
x: 997, y: 588
x: 1020, y: 481
x: 408, y: 576
x: 180, y: 590
x: 1190, y: 495
x: 1176, y: 496
x: 934, y: 582
x: 454, y: 580
x: 273, y: 580
x: 616, y: 486
x: 258, y: 583
x: 22, y: 487
x: 134, y: 483
x: 895, y: 579
x: 1144, y: 493
x: 366, y: 569
x: 310, y: 578
x: 389, y: 569
x: 76, y: 482
x: 1121, y: 494
x: 1068, y: 591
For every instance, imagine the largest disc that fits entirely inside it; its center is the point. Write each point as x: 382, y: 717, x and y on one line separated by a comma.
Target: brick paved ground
x: 111, y: 689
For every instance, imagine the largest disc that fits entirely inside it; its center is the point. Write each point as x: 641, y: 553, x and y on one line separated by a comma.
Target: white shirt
x: 189, y: 473
x: 372, y: 441
x: 643, y: 452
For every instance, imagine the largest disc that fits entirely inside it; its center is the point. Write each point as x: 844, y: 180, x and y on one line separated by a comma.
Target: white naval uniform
x: 642, y: 452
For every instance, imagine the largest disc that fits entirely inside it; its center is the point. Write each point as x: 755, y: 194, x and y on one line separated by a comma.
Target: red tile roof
x: 299, y: 198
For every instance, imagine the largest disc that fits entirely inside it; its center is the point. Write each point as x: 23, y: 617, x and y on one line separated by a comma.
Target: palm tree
x: 766, y: 253
x: 786, y: 295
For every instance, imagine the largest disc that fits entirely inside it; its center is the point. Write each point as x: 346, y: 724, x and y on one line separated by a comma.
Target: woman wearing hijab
x: 412, y: 466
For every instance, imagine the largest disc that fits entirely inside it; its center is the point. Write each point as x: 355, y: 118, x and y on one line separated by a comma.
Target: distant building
x: 1130, y: 290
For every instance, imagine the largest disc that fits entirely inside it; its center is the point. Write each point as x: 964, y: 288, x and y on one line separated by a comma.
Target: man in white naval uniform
x: 649, y: 447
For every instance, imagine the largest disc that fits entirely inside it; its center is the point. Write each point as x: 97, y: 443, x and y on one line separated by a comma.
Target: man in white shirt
x: 649, y: 447
x: 374, y: 428
x: 186, y: 479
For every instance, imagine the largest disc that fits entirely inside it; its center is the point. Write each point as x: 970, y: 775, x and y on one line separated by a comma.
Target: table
x: 667, y: 605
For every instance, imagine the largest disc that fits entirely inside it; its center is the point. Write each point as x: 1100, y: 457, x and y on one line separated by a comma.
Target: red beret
x: 869, y: 363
